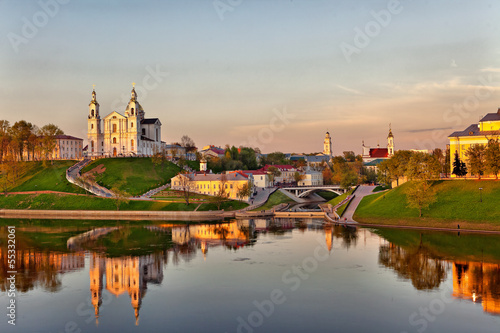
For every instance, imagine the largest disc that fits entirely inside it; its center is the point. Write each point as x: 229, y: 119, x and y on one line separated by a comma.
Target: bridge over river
x: 305, y: 191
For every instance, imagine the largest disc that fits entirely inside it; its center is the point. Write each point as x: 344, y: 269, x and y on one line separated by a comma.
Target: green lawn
x: 72, y: 202
x: 134, y: 175
x: 458, y: 201
x: 35, y: 177
x: 227, y: 205
x: 327, y: 195
x: 338, y: 199
x: 446, y: 245
x: 274, y: 199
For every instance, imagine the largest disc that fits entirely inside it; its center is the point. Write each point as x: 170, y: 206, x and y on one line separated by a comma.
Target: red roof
x: 238, y: 172
x: 379, y: 152
x: 255, y: 172
x: 67, y: 137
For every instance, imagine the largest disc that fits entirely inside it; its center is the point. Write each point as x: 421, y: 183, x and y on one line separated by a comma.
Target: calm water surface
x: 248, y: 276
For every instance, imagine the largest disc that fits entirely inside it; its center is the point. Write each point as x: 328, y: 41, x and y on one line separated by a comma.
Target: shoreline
x: 115, y: 215
x: 211, y: 216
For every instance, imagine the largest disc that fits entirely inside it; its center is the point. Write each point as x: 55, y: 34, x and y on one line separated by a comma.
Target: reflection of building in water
x: 124, y: 275
x: 479, y: 282
x: 34, y: 267
x: 232, y: 235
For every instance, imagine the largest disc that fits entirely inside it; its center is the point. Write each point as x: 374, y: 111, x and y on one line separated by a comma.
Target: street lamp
x: 480, y: 195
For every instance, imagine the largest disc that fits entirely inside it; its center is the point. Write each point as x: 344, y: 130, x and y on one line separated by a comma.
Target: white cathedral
x: 118, y: 135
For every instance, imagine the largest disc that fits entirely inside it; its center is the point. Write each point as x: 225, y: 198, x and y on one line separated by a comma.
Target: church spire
x: 133, y: 94
x: 93, y: 94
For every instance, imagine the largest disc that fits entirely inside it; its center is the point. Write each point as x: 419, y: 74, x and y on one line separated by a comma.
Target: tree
x: 48, y: 139
x: 447, y: 161
x: 349, y: 179
x: 423, y: 166
x: 186, y: 185
x: 459, y: 167
x: 5, y: 138
x: 187, y: 142
x: 383, y: 175
x: 221, y: 194
x: 275, y: 158
x: 273, y: 172
x: 248, y: 157
x: 420, y: 195
x: 475, y: 159
x: 492, y: 157
x: 121, y: 197
x: 244, y: 191
x: 327, y: 176
x: 297, y: 176
x: 349, y: 156
x: 21, y: 132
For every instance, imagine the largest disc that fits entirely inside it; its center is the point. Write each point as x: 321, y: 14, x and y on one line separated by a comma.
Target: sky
x: 274, y: 74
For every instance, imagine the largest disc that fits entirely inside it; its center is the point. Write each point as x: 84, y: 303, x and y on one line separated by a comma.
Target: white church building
x: 123, y: 135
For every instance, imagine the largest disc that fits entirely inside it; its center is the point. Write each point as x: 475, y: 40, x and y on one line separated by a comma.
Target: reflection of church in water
x: 124, y: 275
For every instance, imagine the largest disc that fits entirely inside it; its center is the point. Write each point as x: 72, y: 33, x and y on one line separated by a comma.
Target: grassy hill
x: 458, y: 201
x: 86, y: 202
x: 134, y: 175
x: 447, y: 245
x: 33, y: 176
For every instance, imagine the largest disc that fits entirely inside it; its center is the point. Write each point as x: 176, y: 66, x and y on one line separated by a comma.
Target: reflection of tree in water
x: 349, y: 235
x: 425, y: 273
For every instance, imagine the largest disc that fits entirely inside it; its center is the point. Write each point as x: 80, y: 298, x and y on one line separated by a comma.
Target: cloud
x: 428, y: 129
x: 353, y: 91
x: 491, y: 70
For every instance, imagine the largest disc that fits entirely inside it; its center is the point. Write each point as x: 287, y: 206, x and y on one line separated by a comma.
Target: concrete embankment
x: 114, y: 215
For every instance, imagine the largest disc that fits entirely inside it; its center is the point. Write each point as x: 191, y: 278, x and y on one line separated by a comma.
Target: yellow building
x: 478, y: 282
x: 210, y: 183
x: 488, y: 128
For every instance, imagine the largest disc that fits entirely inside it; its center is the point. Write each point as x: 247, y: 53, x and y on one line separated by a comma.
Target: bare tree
x: 187, y: 142
x: 222, y: 193
x: 186, y: 185
x: 244, y: 191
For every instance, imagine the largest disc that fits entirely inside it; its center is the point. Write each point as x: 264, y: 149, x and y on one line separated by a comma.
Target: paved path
x: 73, y: 173
x: 261, y: 197
x: 362, y: 190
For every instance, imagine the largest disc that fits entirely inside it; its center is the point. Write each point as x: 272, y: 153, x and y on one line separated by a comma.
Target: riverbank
x: 459, y: 204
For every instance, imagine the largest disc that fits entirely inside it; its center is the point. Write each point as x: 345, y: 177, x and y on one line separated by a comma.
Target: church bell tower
x: 390, y: 142
x: 94, y: 126
x: 327, y: 145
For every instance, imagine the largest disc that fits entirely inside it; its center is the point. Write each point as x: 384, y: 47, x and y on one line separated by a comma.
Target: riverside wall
x: 114, y: 215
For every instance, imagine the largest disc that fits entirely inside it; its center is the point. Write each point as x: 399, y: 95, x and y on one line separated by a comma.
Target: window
x: 132, y: 124
x: 91, y: 126
x: 92, y: 144
x: 157, y: 135
x: 132, y: 143
x: 114, y: 128
x: 92, y: 112
x: 114, y: 140
x: 132, y: 110
x: 143, y: 131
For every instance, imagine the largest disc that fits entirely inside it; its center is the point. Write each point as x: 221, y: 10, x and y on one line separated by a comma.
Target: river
x: 247, y: 276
